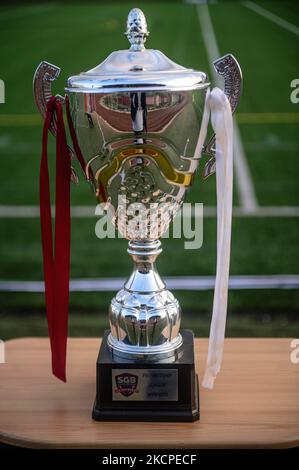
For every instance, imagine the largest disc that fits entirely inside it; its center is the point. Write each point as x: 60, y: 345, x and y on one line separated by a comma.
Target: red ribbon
x: 73, y: 135
x: 57, y: 262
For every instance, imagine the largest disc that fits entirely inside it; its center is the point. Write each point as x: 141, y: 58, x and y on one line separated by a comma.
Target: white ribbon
x: 221, y: 118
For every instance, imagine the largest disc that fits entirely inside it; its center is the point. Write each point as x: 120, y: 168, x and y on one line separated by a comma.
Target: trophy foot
x: 168, y: 351
x: 143, y: 391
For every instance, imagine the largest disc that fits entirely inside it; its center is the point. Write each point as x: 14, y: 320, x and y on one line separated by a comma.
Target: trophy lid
x: 137, y: 69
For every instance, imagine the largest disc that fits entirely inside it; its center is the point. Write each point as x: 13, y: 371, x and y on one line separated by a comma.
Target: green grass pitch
x: 79, y: 36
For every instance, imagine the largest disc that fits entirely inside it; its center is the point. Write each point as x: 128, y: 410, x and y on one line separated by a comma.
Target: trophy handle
x: 229, y: 68
x: 44, y: 75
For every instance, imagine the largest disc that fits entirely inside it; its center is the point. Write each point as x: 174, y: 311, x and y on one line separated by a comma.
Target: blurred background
x: 263, y: 36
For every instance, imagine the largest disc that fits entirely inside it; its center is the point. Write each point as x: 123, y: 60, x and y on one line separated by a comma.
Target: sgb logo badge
x: 126, y: 384
x: 294, y: 356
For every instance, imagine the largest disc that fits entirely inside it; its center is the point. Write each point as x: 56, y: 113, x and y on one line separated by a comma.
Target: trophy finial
x: 137, y: 31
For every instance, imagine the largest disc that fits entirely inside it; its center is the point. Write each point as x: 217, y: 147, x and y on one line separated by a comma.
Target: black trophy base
x: 147, y: 391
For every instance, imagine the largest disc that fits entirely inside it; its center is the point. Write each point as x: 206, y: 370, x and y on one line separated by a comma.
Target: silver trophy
x: 137, y: 118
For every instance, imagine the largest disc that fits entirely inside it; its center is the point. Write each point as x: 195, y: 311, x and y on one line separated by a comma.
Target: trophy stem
x: 144, y: 278
x: 144, y: 316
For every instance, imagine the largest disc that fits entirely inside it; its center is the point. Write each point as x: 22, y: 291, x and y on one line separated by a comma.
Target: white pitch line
x: 244, y: 183
x: 83, y: 212
x: 272, y: 17
x: 192, y: 283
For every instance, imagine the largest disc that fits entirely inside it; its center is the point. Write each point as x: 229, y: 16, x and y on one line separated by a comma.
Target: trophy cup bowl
x: 137, y: 118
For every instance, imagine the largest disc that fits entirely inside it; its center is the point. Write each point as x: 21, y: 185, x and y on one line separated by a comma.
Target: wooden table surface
x: 255, y: 402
